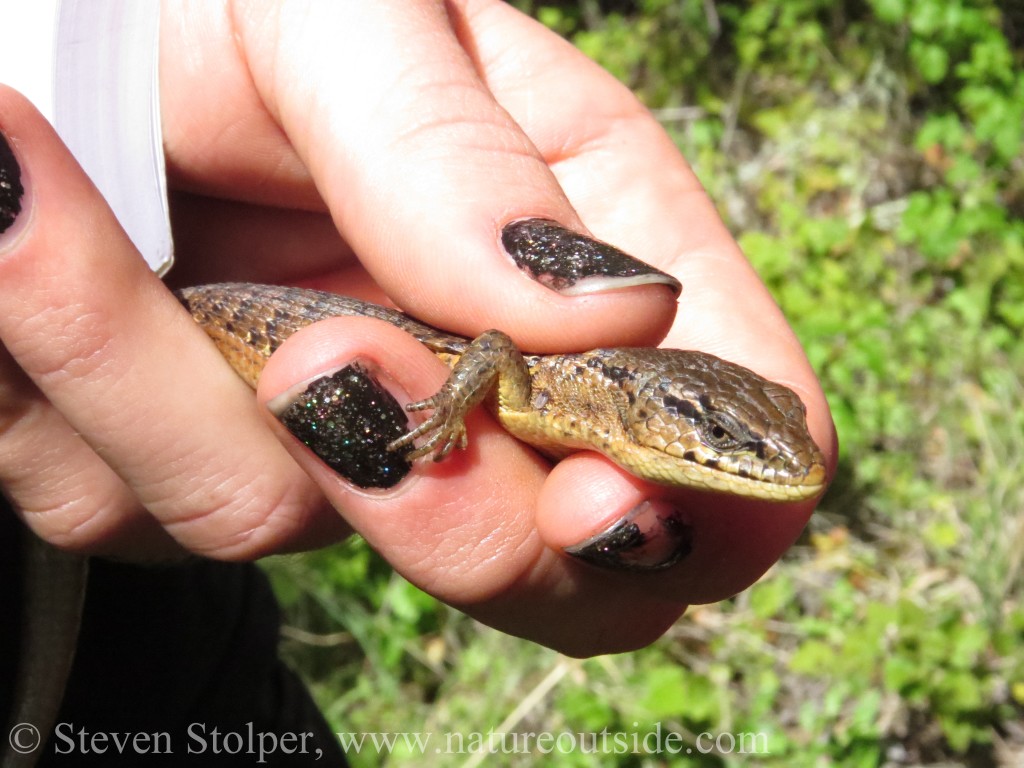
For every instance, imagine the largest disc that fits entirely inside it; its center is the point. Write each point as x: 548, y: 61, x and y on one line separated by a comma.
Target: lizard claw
x: 444, y: 430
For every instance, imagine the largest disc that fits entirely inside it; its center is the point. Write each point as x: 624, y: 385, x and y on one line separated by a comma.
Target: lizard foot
x: 444, y: 429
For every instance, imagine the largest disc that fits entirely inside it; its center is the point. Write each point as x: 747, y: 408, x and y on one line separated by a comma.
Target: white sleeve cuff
x: 91, y: 67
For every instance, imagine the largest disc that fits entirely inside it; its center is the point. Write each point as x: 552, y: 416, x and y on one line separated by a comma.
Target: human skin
x: 297, y: 136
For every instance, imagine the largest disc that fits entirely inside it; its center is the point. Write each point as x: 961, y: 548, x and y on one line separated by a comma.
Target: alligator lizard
x: 674, y: 417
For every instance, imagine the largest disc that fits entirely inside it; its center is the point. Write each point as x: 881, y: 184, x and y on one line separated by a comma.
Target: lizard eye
x: 723, y: 433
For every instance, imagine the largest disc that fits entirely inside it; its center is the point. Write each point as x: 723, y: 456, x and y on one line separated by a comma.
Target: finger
x: 728, y: 542
x: 619, y: 168
x: 464, y: 529
x: 219, y: 138
x: 658, y: 207
x: 110, y: 348
x: 56, y: 482
x: 422, y: 169
x: 52, y: 478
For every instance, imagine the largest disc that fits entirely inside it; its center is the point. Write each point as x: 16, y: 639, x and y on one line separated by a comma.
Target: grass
x: 868, y: 157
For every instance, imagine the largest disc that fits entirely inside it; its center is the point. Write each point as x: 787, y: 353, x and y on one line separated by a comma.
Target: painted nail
x: 347, y: 418
x: 651, y: 537
x: 11, y: 190
x: 573, y: 264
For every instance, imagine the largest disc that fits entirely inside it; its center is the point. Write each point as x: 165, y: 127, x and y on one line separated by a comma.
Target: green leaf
x: 670, y: 691
x: 768, y: 598
x: 932, y: 60
x: 812, y: 657
x: 890, y: 11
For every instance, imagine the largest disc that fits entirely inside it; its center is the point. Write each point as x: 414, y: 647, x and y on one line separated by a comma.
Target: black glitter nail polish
x: 11, y: 190
x: 574, y: 264
x: 651, y: 537
x: 348, y: 419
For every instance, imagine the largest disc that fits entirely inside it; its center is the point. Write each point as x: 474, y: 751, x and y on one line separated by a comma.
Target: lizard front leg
x: 490, y: 361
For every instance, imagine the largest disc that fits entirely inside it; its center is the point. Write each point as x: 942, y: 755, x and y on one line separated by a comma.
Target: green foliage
x: 868, y: 155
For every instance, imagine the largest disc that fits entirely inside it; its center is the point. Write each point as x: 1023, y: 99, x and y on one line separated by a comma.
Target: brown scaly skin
x: 673, y: 417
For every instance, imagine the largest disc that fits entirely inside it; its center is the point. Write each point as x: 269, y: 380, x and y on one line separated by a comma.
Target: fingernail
x: 11, y: 190
x: 347, y: 418
x: 573, y: 264
x: 651, y: 537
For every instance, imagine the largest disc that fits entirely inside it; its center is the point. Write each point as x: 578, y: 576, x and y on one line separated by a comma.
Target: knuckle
x: 237, y: 519
x: 475, y: 127
x: 72, y: 513
x: 63, y: 342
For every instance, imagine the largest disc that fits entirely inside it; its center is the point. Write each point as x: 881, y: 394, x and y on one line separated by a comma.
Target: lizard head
x: 693, y: 419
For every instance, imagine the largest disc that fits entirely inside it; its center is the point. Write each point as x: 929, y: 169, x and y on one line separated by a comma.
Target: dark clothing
x: 185, y: 655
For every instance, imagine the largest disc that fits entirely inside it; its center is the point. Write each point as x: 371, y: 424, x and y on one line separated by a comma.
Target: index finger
x: 422, y: 170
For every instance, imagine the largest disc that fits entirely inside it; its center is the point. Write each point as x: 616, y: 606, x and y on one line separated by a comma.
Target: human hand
x: 270, y: 124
